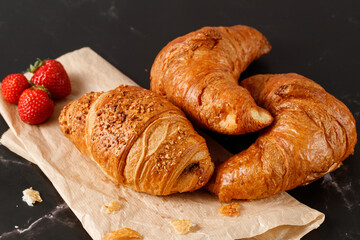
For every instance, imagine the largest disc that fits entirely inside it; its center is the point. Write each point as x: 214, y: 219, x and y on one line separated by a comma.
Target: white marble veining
x: 8, y: 161
x: 112, y: 11
x: 351, y: 99
x: 53, y: 216
x: 345, y: 191
x: 137, y: 32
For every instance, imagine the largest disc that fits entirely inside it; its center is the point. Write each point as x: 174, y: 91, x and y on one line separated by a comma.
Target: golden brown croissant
x: 199, y: 73
x: 139, y: 139
x: 311, y: 135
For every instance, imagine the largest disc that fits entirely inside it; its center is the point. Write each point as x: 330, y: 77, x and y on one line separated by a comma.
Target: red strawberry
x: 53, y: 76
x: 35, y: 105
x: 12, y: 86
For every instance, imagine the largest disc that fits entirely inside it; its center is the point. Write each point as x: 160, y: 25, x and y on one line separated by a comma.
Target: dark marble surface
x: 318, y: 39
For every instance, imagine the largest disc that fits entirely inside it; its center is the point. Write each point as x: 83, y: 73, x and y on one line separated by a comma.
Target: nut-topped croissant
x: 199, y: 73
x: 311, y: 135
x: 138, y: 139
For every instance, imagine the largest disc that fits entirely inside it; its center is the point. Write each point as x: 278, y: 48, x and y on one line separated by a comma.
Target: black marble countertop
x: 318, y: 39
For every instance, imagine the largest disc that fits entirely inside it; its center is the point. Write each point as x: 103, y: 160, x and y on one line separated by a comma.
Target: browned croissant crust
x: 199, y: 73
x: 139, y: 139
x: 311, y: 135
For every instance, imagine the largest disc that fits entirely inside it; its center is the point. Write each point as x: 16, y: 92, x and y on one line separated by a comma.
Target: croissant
x: 199, y: 73
x: 311, y: 135
x: 139, y: 140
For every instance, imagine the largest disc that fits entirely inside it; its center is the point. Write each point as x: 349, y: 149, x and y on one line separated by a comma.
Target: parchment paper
x: 85, y: 188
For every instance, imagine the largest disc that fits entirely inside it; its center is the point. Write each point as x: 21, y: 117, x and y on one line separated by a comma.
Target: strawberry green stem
x: 40, y: 87
x: 38, y: 63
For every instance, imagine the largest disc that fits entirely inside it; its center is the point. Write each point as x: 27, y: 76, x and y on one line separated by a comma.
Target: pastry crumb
x: 181, y: 226
x: 122, y: 234
x: 230, y: 210
x: 111, y: 208
x: 31, y: 196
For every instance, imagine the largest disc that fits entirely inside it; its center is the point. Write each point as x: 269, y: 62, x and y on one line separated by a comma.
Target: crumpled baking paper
x: 85, y: 188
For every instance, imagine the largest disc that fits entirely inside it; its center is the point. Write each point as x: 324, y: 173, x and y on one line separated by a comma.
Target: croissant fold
x: 138, y: 139
x: 199, y: 73
x: 311, y: 135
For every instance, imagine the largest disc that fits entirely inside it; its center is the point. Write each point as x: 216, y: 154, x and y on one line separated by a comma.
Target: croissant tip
x: 262, y: 116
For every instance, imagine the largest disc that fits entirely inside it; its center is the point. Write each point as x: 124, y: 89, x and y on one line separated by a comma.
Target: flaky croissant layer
x: 311, y: 135
x: 199, y: 73
x: 138, y: 139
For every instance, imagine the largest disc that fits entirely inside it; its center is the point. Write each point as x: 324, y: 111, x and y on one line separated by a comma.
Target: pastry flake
x: 31, y: 196
x: 122, y: 234
x: 230, y: 210
x: 111, y: 208
x: 181, y: 226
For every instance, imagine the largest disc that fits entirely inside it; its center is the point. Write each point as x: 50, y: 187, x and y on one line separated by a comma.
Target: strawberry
x: 12, y: 86
x: 35, y: 105
x: 53, y: 76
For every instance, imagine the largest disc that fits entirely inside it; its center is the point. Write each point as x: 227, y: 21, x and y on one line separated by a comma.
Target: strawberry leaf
x: 38, y: 63
x: 41, y: 87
